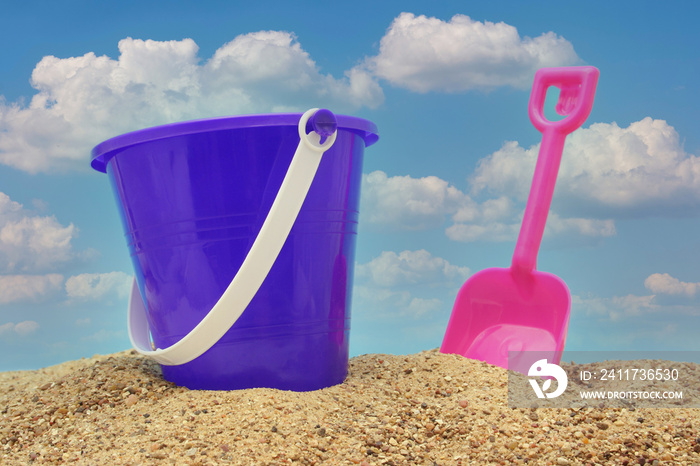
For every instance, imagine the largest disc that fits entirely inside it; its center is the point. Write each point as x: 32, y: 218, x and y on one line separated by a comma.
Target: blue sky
x: 447, y: 83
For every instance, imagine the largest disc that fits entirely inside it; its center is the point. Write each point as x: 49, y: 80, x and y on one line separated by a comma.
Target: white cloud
x: 23, y: 328
x: 420, y: 306
x: 411, y: 268
x: 617, y: 308
x: 490, y: 210
x: 8, y: 206
x: 642, y: 169
x: 424, y: 54
x: 94, y: 286
x: 376, y: 301
x: 30, y: 242
x: 14, y: 288
x: 508, y: 171
x: 639, y: 170
x: 469, y: 232
x: 403, y: 202
x: 409, y: 284
x: 556, y: 226
x: 271, y: 70
x: 581, y: 226
x: 492, y: 220
x: 153, y: 82
x: 410, y: 203
x: 388, y: 303
x: 631, y: 322
x: 26, y: 327
x: 104, y: 335
x: 663, y: 283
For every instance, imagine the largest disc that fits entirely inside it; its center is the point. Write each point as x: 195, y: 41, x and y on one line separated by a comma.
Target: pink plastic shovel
x: 519, y: 309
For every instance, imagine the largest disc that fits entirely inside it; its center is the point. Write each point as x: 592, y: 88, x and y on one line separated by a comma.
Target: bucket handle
x: 260, y: 258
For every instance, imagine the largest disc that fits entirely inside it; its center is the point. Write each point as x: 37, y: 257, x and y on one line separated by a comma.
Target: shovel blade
x: 503, y: 317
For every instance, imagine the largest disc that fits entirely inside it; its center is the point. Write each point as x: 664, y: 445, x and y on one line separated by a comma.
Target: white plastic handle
x: 255, y: 267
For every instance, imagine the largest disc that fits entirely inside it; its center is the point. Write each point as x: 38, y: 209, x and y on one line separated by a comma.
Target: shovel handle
x: 577, y: 86
x: 577, y: 89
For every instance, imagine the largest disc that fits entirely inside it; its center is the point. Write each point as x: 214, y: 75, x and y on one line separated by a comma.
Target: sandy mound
x: 428, y: 408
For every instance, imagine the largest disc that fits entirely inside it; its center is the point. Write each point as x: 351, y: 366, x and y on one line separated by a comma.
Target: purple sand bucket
x: 222, y: 216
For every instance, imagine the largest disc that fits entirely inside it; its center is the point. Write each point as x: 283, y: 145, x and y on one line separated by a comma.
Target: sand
x: 425, y: 409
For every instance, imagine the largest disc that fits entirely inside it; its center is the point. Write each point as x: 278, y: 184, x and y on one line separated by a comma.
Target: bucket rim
x: 104, y: 151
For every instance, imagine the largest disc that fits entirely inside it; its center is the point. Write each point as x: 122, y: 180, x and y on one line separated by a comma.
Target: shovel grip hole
x: 551, y: 104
